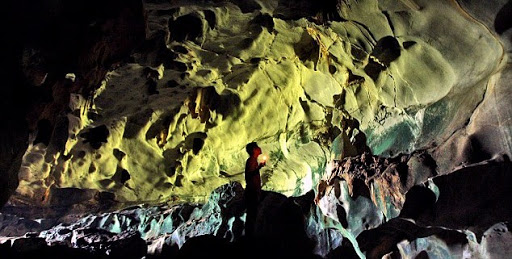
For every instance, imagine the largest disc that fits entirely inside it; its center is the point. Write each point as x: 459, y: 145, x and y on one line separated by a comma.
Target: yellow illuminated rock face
x: 212, y: 79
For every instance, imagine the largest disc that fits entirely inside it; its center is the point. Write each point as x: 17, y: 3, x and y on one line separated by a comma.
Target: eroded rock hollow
x: 387, y: 127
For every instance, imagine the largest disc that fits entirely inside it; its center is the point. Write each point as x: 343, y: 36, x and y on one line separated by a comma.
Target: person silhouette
x: 253, y: 186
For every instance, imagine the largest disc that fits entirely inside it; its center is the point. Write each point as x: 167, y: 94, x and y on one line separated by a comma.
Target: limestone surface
x: 172, y: 121
x: 387, y: 125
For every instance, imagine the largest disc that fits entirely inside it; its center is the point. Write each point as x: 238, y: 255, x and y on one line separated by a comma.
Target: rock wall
x: 171, y: 120
x: 56, y: 49
x: 404, y: 206
x: 395, y: 112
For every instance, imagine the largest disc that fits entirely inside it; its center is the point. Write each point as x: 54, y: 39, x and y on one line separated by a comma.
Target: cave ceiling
x: 156, y: 101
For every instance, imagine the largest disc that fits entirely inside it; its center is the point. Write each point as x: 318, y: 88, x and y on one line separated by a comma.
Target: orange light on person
x: 263, y: 159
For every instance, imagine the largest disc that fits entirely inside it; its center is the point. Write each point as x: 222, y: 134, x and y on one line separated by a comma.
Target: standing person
x: 253, y: 186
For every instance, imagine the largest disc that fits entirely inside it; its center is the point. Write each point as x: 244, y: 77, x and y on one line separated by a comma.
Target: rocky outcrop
x: 473, y: 198
x: 384, y: 181
x: 308, y: 81
x: 56, y: 50
x: 425, y: 212
x: 284, y: 227
x: 444, y: 214
x: 89, y: 243
x: 152, y: 102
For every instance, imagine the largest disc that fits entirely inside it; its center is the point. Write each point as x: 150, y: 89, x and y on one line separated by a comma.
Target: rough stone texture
x: 150, y: 102
x: 474, y: 198
x: 88, y: 243
x: 442, y: 215
x: 382, y: 240
x: 56, y: 49
x: 284, y: 227
x: 384, y: 181
x: 488, y: 132
x: 300, y: 78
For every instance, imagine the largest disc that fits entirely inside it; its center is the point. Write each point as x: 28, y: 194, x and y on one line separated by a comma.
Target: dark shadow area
x: 45, y: 40
x: 96, y: 136
x: 195, y: 141
x: 44, y: 132
x: 359, y: 188
x: 345, y: 251
x: 121, y: 176
x: 254, y: 247
x: 418, y: 200
x: 137, y: 121
x: 473, y: 198
x: 209, y: 16
x: 118, y: 154
x: 503, y: 20
x: 386, y: 51
x: 187, y: 27
x: 247, y: 6
x: 307, y: 49
x: 408, y: 44
x: 383, y: 240
x: 476, y: 150
x: 60, y: 134
x: 280, y: 232
x: 321, y: 11
x: 69, y: 196
x: 264, y: 20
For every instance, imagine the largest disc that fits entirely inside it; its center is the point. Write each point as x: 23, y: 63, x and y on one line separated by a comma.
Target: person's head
x: 253, y: 149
